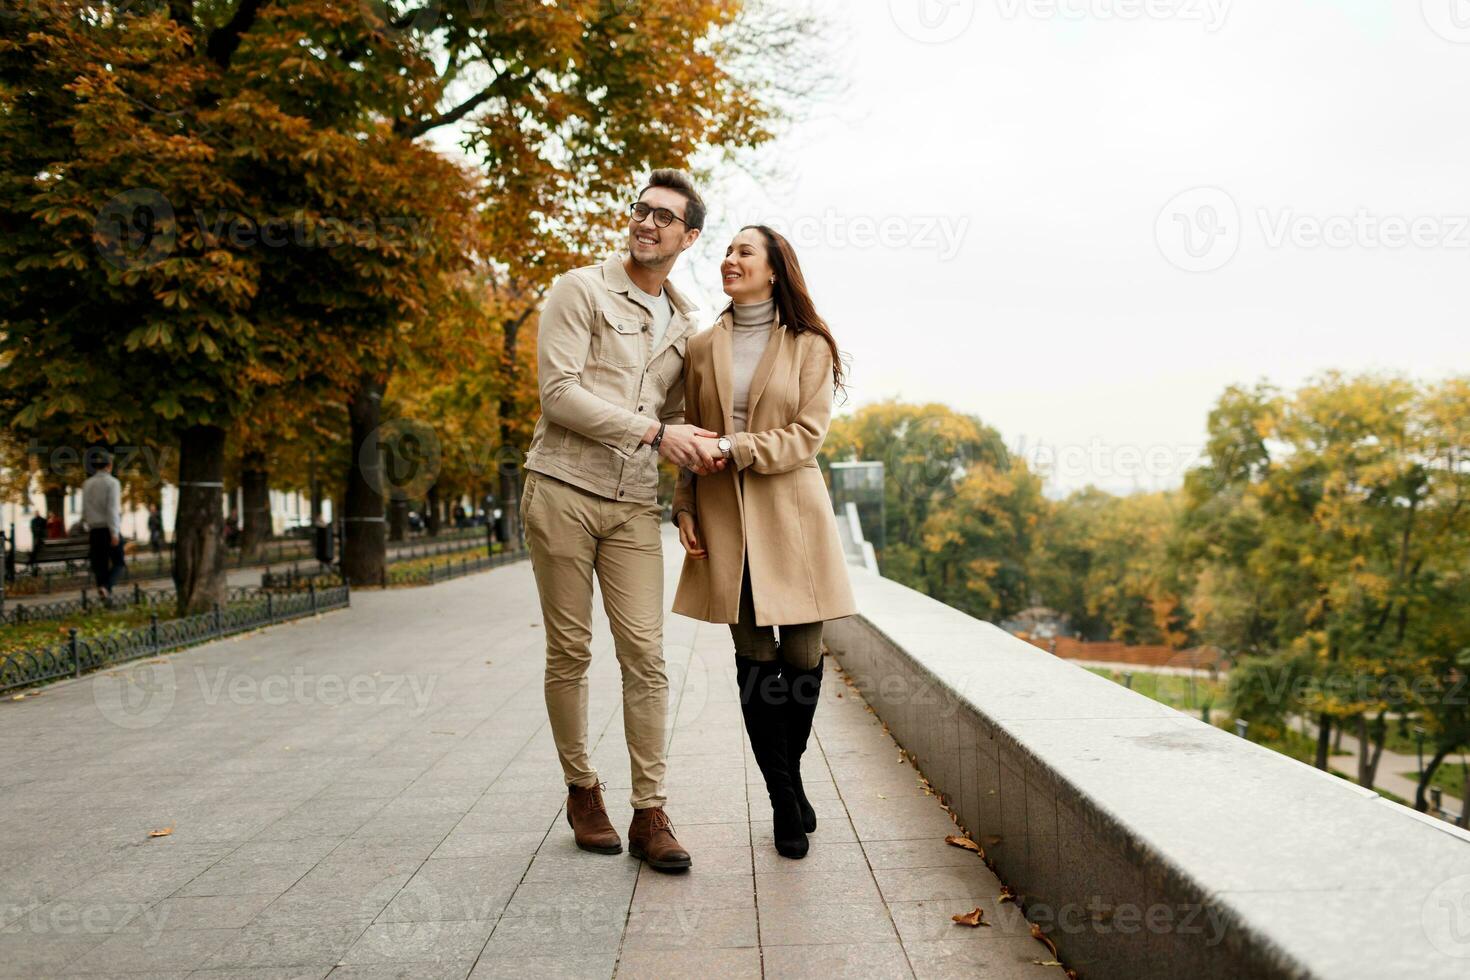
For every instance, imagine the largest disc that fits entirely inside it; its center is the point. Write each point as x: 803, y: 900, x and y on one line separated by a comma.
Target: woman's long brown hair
x: 794, y: 306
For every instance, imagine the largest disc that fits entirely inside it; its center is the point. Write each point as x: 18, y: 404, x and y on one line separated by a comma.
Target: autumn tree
x: 1107, y: 562
x: 206, y: 208
x: 926, y: 450
x: 1329, y: 528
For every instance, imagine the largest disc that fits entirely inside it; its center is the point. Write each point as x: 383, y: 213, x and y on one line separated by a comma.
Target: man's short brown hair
x: 678, y: 180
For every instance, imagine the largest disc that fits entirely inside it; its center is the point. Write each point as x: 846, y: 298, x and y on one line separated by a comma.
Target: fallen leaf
x: 972, y: 918
x: 954, y: 840
x: 1006, y: 895
x: 1046, y: 962
x: 1043, y: 938
x: 162, y: 833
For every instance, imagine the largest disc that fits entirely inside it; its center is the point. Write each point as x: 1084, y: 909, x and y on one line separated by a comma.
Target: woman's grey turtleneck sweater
x: 748, y: 339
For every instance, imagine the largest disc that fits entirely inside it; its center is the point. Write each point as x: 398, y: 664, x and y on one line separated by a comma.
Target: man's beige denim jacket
x: 603, y: 383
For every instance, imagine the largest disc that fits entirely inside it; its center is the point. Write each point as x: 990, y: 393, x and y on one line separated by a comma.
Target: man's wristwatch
x: 658, y: 437
x: 726, y: 447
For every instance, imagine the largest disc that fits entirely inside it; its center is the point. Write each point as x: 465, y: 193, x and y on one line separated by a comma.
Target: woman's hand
x: 689, y: 536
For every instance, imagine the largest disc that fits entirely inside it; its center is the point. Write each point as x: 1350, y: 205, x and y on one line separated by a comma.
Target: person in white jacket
x: 102, y: 513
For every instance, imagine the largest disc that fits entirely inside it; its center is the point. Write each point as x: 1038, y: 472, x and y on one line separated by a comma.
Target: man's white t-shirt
x: 659, y: 306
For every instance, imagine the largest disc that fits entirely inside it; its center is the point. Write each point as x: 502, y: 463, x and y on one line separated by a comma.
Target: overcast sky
x: 1082, y: 220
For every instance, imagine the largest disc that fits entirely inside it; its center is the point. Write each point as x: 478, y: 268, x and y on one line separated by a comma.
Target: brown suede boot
x: 590, y: 826
x: 651, y: 837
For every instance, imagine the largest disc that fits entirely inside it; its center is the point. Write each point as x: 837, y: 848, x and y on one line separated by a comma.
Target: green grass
x: 99, y: 622
x: 1171, y: 689
x: 1380, y: 791
x: 409, y: 573
x: 1290, y: 742
x: 1450, y: 777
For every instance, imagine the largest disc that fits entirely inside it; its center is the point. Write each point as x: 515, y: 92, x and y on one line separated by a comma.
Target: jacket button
x: 640, y: 408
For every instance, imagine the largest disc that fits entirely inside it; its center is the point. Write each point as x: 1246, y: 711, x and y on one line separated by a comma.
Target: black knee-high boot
x: 764, y: 703
x: 805, y: 687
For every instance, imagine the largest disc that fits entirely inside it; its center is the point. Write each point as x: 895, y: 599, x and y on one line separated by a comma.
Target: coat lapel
x: 723, y: 383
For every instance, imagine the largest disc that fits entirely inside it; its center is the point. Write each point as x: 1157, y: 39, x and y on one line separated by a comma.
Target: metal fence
x: 448, y: 569
x: 17, y: 613
x: 23, y: 580
x: 247, y: 609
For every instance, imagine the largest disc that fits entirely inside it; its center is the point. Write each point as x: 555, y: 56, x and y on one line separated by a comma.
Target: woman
x: 759, y: 535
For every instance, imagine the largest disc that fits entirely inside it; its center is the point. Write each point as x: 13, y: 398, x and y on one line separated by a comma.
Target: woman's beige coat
x: 783, y: 523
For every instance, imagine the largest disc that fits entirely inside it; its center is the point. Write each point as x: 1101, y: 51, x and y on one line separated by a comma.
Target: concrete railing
x: 1145, y: 842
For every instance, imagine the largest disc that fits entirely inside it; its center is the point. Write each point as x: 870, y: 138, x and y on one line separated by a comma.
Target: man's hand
x: 116, y: 540
x: 679, y: 444
x: 689, y: 536
x: 711, y: 460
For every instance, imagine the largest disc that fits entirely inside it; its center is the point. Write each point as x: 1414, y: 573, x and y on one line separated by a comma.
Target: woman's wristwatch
x: 726, y: 447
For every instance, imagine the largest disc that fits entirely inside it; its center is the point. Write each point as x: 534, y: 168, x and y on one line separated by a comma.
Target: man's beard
x: 657, y: 264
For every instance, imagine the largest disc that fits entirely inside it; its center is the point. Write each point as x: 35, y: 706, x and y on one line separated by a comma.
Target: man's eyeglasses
x: 662, y: 217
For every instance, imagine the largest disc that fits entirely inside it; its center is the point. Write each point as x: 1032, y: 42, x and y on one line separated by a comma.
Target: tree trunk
x: 397, y: 519
x: 1371, y: 736
x: 1421, y: 794
x: 510, y: 504
x: 364, y: 552
x: 316, y: 493
x: 510, y: 471
x: 1324, y: 740
x: 199, y: 547
x: 431, y: 512
x: 255, y: 524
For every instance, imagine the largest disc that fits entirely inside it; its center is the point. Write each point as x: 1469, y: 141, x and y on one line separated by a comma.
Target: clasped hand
x: 693, y: 448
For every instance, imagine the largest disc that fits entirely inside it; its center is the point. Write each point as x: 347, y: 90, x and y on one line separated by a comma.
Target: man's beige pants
x: 572, y: 533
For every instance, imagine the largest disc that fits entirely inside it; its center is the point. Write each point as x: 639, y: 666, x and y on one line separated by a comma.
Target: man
x: 38, y: 538
x: 102, y: 514
x: 155, y: 529
x: 611, y: 364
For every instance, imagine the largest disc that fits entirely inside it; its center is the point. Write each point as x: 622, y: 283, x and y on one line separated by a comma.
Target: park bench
x: 68, y: 550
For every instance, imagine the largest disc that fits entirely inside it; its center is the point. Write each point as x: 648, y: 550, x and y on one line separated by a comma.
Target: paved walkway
x: 374, y: 794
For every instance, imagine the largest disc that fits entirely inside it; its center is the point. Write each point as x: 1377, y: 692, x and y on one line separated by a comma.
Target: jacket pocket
x: 621, y: 340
